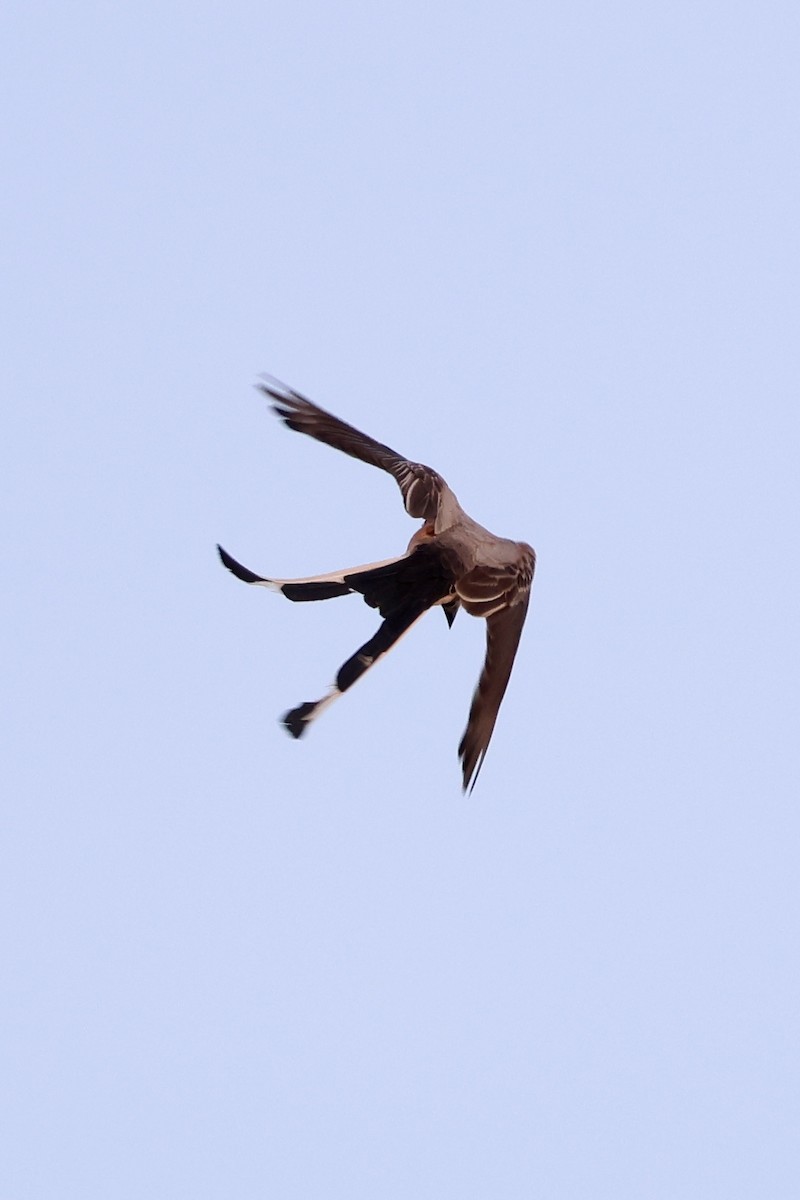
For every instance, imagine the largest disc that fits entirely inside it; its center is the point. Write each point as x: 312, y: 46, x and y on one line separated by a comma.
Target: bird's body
x: 451, y: 561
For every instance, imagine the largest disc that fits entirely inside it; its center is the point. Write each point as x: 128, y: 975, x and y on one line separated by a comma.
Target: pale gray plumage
x: 451, y: 561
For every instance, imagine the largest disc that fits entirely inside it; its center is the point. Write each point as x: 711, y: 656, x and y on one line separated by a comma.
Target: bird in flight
x: 451, y: 561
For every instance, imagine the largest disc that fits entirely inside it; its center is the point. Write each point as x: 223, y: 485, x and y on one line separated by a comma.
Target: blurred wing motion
x: 421, y: 487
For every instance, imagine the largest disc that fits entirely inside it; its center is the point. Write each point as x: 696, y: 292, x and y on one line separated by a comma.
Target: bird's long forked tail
x: 298, y: 719
x: 312, y: 587
x: 401, y: 588
x: 383, y: 584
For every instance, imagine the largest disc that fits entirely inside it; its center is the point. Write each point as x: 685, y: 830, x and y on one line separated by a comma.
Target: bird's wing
x: 503, y: 629
x: 489, y: 587
x: 421, y: 487
x: 499, y: 592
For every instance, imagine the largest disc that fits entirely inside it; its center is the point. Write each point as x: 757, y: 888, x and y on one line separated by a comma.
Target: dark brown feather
x: 503, y: 631
x: 421, y: 487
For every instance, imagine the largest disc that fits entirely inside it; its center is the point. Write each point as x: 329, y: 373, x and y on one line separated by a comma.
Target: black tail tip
x: 236, y: 568
x: 296, y: 721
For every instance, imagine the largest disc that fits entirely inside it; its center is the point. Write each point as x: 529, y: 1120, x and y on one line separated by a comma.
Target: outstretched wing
x: 421, y: 487
x: 503, y: 629
x: 499, y: 592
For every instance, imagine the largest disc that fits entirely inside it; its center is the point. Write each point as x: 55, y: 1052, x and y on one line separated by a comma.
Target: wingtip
x: 470, y: 769
x: 272, y: 386
x: 468, y: 784
x: 285, y: 399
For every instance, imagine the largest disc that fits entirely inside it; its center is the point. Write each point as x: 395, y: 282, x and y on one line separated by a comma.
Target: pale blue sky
x: 553, y: 252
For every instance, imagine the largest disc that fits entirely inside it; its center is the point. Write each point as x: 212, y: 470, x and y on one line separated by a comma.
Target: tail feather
x: 236, y: 568
x: 314, y: 591
x: 423, y: 577
x: 391, y: 630
x: 298, y: 719
x: 402, y: 589
x: 313, y: 587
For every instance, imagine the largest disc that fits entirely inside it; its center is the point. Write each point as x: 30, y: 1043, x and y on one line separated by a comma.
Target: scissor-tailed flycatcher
x: 451, y: 561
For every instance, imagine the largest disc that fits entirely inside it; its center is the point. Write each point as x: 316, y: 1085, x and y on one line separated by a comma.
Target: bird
x: 451, y: 562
